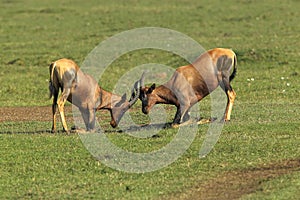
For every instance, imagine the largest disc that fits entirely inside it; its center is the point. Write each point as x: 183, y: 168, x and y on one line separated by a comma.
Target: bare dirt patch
x: 39, y: 113
x: 235, y: 184
x: 42, y: 113
x: 23, y: 115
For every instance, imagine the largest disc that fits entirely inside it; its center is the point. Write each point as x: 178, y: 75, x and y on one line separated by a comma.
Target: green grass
x: 265, y: 120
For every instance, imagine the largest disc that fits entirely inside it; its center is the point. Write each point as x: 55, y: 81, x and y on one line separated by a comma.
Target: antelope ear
x: 150, y: 90
x: 123, y: 99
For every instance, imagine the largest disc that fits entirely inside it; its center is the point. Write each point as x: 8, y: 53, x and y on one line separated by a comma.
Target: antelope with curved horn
x: 84, y: 92
x: 189, y: 84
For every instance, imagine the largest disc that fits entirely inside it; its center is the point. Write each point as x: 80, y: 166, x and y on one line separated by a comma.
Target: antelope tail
x: 231, y: 77
x: 51, y: 86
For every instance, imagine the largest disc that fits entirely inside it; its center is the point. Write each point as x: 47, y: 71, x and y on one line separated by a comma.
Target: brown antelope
x: 84, y: 92
x: 189, y: 84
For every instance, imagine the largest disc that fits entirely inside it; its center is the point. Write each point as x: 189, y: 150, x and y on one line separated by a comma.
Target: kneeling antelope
x: 189, y: 84
x: 84, y: 92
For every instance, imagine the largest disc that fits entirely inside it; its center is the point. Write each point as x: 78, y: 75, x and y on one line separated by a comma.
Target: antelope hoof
x: 204, y: 121
x: 66, y: 131
x: 77, y: 129
x: 225, y: 120
x: 175, y: 125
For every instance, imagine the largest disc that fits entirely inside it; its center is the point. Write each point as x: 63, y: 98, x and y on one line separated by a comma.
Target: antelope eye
x: 143, y: 95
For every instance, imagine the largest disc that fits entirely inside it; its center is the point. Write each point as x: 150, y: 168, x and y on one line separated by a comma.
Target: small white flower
x: 282, y: 78
x: 283, y: 91
x: 252, y: 79
x: 288, y: 84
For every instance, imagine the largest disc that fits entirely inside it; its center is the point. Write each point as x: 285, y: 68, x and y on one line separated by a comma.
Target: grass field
x: 257, y: 154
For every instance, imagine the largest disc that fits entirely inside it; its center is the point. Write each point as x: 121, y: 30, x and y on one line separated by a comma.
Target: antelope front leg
x: 91, y: 121
x: 88, y: 116
x: 181, y: 115
x: 185, y: 115
x: 177, y: 117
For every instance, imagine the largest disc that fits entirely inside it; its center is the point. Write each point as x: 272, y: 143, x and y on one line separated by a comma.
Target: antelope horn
x: 143, y: 79
x: 134, y: 97
x: 135, y: 92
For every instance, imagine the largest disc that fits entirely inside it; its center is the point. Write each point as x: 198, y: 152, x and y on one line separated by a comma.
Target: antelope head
x: 122, y: 105
x: 145, y: 94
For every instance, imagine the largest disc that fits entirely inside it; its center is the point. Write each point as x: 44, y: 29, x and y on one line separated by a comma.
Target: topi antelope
x: 84, y: 92
x: 189, y: 84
